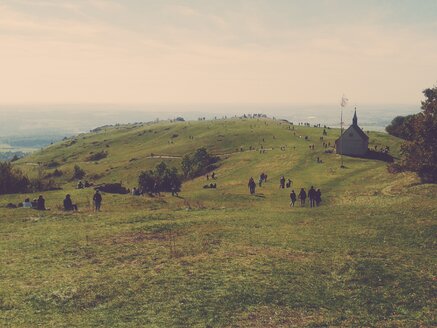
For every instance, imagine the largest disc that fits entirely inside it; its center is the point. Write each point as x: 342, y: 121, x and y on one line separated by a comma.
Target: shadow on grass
x: 376, y: 155
x: 260, y: 195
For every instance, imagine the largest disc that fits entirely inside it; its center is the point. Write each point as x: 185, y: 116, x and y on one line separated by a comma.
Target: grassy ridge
x: 222, y: 257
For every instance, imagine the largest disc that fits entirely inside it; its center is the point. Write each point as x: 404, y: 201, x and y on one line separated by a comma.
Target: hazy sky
x: 223, y: 51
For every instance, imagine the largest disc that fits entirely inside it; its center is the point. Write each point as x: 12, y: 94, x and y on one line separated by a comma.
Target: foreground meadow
x: 224, y: 258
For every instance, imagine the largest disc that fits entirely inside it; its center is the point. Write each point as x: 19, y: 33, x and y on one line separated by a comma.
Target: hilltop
x: 222, y: 257
x: 128, y: 149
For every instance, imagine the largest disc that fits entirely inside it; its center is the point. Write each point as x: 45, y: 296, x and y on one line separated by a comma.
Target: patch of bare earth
x: 268, y: 317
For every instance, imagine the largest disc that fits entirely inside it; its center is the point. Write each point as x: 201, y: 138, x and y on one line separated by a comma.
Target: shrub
x: 55, y: 174
x: 97, y: 156
x: 52, y: 164
x: 78, y: 173
x: 113, y: 188
x: 42, y: 185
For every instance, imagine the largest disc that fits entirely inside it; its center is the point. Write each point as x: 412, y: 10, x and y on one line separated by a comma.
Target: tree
x: 12, y: 180
x: 401, y: 127
x: 420, y: 153
x: 161, y: 179
x: 146, y: 181
x: 198, y: 163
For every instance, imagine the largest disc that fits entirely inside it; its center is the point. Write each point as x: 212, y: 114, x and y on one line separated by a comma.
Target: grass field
x: 222, y: 258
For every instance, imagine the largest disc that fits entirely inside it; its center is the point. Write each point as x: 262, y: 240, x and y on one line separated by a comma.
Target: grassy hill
x: 217, y: 258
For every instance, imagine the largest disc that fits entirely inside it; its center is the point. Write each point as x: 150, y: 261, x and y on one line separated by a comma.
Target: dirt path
x: 221, y: 154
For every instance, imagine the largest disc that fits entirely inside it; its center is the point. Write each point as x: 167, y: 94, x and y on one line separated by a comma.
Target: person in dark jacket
x: 68, y: 204
x: 97, y: 200
x: 318, y: 197
x: 41, y: 203
x: 292, y: 198
x: 302, y: 196
x: 282, y: 182
x: 251, y: 185
x: 312, y: 196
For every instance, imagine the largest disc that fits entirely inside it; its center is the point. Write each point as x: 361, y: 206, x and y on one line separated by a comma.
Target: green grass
x: 223, y: 258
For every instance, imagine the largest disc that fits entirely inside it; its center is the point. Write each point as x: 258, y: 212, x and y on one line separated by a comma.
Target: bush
x: 97, y: 156
x: 78, y: 173
x: 395, y: 168
x: 199, y: 163
x: 42, y: 185
x: 12, y: 180
x: 113, y: 188
x: 55, y: 174
x: 161, y: 179
x: 52, y: 164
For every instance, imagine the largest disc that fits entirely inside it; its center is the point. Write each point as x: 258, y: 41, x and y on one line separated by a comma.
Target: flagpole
x: 344, y: 101
x: 341, y: 137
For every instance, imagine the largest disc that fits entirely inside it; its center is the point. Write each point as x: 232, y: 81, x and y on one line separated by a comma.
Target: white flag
x: 344, y: 101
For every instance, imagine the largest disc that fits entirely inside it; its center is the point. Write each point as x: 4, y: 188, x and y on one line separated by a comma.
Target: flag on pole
x: 344, y: 101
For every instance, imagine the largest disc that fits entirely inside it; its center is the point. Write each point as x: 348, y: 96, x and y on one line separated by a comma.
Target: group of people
x: 40, y: 203
x: 314, y: 196
x: 210, y: 186
x: 97, y: 200
x: 213, y: 176
x: 262, y: 178
x: 283, y: 184
x: 82, y: 185
x: 37, y: 204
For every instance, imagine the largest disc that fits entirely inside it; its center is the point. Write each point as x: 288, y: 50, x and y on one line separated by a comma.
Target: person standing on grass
x: 318, y: 197
x: 282, y: 182
x: 251, y: 185
x: 292, y: 198
x: 312, y: 196
x: 97, y: 200
x: 302, y: 196
x: 289, y: 182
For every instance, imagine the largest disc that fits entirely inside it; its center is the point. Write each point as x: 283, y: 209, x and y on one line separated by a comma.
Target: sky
x: 218, y: 52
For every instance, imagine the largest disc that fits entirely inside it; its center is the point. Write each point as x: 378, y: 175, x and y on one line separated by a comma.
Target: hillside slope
x: 136, y: 147
x: 222, y: 257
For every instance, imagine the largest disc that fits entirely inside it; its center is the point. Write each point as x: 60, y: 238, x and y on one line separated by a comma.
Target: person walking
x: 318, y: 197
x: 302, y: 197
x: 292, y: 198
x: 289, y: 182
x: 282, y: 182
x: 97, y: 198
x: 312, y: 196
x: 251, y: 185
